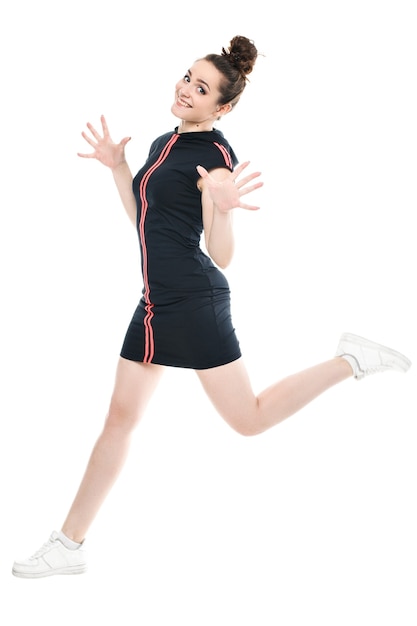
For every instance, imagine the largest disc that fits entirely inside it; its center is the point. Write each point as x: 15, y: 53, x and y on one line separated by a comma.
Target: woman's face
x: 196, y: 97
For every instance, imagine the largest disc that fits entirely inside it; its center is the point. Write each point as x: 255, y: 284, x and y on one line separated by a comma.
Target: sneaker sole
x: 77, y: 569
x: 402, y: 360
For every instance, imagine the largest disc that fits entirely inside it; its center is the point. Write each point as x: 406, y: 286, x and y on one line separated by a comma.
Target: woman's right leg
x: 134, y: 385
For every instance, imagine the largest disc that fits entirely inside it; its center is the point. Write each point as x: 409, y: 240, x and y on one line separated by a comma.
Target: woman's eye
x: 187, y: 79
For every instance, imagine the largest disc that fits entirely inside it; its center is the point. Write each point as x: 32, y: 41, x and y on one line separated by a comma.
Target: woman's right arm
x: 112, y: 155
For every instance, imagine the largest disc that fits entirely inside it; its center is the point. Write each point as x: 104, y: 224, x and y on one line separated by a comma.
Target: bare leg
x: 230, y: 390
x: 135, y: 383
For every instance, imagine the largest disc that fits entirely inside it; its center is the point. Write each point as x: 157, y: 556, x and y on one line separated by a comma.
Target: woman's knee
x: 134, y: 385
x: 122, y: 416
x: 249, y: 426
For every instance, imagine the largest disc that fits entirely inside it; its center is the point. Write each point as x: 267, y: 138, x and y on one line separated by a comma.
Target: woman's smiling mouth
x: 182, y: 103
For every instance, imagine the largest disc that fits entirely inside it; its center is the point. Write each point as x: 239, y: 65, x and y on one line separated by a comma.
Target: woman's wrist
x: 119, y: 166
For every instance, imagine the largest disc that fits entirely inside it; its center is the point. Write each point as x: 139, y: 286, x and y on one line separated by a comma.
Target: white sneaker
x: 367, y: 357
x: 52, y: 558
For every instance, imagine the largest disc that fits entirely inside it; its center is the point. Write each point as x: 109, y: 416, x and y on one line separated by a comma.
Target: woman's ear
x: 223, y: 109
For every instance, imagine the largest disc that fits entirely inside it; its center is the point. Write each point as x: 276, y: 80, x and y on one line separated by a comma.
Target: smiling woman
x: 214, y: 85
x: 189, y: 185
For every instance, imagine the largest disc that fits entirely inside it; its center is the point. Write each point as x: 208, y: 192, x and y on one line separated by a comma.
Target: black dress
x: 183, y: 318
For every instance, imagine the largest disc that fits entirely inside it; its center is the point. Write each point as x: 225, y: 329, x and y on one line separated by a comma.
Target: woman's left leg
x: 230, y: 391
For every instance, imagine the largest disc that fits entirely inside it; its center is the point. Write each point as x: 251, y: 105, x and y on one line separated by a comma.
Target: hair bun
x: 242, y: 54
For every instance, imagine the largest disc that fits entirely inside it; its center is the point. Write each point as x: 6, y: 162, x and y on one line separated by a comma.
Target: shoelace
x: 43, y: 548
x: 378, y: 368
x: 382, y: 367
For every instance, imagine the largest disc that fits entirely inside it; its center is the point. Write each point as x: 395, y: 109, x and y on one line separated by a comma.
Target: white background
x: 313, y: 522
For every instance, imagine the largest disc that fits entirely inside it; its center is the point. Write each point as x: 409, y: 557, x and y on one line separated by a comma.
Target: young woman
x: 190, y: 184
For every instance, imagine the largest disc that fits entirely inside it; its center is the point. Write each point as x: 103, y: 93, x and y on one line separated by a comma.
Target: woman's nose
x: 185, y: 90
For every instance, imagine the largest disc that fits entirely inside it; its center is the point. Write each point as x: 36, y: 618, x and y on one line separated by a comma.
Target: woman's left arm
x: 221, y: 192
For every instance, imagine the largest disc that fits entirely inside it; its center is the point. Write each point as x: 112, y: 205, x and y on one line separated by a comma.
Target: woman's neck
x: 194, y: 127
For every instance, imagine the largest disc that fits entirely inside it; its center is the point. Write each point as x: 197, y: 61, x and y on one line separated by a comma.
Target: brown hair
x: 234, y: 63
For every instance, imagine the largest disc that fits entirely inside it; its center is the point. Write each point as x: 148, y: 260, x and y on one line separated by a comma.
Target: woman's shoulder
x: 214, y: 141
x: 221, y: 142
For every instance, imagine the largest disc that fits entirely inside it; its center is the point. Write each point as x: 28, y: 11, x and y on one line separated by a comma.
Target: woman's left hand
x: 226, y: 194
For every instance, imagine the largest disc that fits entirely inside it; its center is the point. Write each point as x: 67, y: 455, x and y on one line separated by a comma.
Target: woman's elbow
x: 222, y: 262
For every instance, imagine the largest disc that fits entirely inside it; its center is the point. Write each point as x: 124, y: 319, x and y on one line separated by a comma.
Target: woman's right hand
x: 105, y: 150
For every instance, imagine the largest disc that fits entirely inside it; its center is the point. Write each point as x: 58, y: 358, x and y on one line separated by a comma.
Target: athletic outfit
x: 183, y: 318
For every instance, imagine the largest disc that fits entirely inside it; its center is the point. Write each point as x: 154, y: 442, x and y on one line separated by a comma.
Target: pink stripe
x: 149, y: 336
x: 226, y: 155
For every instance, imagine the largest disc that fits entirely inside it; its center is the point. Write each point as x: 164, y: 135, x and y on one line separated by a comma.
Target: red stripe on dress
x: 149, y: 349
x: 225, y: 153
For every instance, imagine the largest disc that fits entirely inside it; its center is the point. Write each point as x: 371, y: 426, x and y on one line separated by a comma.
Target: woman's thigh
x: 230, y: 390
x: 134, y: 385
